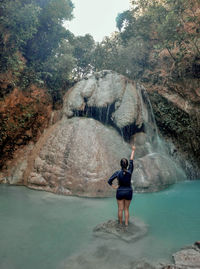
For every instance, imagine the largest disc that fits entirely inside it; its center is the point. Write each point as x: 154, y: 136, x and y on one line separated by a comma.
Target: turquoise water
x: 43, y: 230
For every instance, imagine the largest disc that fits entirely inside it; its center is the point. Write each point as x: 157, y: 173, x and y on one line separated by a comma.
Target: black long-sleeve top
x: 124, y: 178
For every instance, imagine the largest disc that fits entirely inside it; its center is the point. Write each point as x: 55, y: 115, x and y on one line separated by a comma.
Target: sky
x: 96, y: 17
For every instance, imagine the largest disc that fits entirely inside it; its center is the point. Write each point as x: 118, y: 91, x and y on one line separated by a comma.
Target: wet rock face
x: 102, y: 116
x: 86, y: 146
x: 77, y: 158
x: 154, y: 172
x: 177, y: 118
x: 108, y: 97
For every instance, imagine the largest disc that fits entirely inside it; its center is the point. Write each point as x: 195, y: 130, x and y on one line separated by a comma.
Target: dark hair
x: 124, y: 164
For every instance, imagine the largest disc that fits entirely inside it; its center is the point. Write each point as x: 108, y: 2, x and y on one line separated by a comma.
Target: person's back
x: 124, y: 189
x: 124, y: 177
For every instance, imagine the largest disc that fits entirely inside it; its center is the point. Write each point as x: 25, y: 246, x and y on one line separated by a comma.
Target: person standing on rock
x: 124, y: 190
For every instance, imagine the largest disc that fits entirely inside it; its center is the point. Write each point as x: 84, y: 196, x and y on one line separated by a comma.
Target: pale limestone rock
x: 143, y: 145
x: 102, y: 90
x: 37, y: 179
x: 187, y: 258
x: 129, y: 111
x: 17, y: 173
x: 79, y: 156
x: 154, y: 172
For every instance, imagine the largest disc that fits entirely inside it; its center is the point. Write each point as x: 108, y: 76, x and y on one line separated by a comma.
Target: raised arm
x: 132, y: 153
x: 131, y: 166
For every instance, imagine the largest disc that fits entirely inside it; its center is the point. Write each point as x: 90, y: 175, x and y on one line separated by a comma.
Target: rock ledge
x: 111, y: 229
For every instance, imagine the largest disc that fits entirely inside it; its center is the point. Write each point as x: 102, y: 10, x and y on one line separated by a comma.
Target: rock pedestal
x: 111, y: 229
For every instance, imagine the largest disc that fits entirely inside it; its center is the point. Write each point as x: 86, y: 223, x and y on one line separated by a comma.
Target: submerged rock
x: 143, y: 265
x: 105, y: 257
x: 111, y: 229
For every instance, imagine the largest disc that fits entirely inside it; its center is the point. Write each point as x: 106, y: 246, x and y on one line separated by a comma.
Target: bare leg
x: 126, y: 209
x: 120, y: 210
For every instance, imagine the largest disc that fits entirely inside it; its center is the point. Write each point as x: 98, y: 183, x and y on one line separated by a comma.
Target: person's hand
x: 133, y: 148
x: 114, y: 187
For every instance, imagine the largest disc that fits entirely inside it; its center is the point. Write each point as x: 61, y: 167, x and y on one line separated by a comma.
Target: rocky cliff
x: 175, y: 99
x: 101, y: 117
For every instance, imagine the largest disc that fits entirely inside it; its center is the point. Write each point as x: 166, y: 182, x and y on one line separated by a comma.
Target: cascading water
x: 156, y: 149
x: 150, y: 126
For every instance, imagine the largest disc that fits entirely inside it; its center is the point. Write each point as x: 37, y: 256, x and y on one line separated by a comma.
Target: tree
x: 32, y: 38
x: 16, y: 29
x: 50, y: 31
x: 83, y: 47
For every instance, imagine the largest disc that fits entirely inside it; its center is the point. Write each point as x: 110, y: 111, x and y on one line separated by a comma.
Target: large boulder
x: 77, y: 158
x: 109, y: 93
x: 154, y: 172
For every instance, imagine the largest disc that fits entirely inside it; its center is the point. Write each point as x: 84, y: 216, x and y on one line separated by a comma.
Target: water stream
x: 47, y: 231
x: 150, y: 125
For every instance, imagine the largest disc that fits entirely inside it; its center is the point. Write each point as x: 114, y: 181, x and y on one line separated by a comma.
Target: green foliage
x: 56, y: 71
x: 124, y: 19
x: 16, y: 29
x: 105, y: 55
x: 83, y: 47
x: 32, y: 36
x: 36, y: 47
x: 147, y: 29
x: 50, y: 31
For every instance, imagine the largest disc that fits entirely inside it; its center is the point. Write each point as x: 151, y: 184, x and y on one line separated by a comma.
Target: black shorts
x: 124, y: 194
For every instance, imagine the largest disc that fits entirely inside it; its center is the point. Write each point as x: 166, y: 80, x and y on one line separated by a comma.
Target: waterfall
x: 150, y: 125
x: 153, y: 152
x: 107, y: 113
